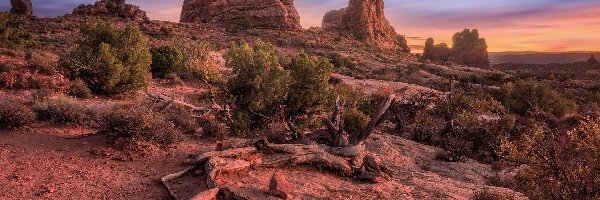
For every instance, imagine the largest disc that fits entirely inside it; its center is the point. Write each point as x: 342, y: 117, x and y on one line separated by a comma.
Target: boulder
x: 270, y: 14
x: 365, y: 20
x: 112, y: 8
x: 279, y: 187
x: 21, y: 7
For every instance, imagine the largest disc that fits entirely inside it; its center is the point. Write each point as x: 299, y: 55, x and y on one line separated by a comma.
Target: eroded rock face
x: 21, y: 7
x: 333, y: 19
x: 275, y: 14
x: 115, y: 8
x: 365, y: 20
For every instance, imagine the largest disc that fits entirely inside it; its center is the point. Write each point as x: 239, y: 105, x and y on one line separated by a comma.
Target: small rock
x: 279, y: 186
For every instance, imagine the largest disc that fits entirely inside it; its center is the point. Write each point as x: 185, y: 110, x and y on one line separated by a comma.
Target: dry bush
x: 137, y: 124
x: 183, y: 119
x: 560, y: 166
x: 201, y: 62
x: 80, y: 90
x: 15, y: 114
x: 173, y: 79
x: 212, y: 127
x: 486, y: 194
x: 63, y: 110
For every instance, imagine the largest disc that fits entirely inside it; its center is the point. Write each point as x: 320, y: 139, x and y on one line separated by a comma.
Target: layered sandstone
x: 112, y: 8
x: 365, y: 20
x: 274, y: 14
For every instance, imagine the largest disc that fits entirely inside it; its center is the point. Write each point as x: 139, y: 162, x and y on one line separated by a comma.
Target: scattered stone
x: 270, y: 14
x: 279, y: 187
x: 21, y: 7
x: 112, y: 8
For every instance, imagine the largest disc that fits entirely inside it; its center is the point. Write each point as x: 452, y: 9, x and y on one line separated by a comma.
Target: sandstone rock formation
x: 275, y: 14
x: 333, y: 19
x: 21, y: 7
x: 365, y: 20
x: 114, y: 8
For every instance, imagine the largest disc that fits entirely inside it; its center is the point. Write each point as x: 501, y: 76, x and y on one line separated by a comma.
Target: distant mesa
x: 21, y: 7
x: 365, y: 20
x: 592, y: 60
x: 269, y: 14
x: 112, y: 8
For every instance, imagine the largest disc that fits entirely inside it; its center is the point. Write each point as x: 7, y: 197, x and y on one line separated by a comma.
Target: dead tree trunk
x: 342, y: 156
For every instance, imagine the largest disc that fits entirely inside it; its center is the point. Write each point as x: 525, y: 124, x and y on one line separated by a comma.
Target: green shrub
x: 63, y: 111
x: 309, y: 89
x: 12, y: 33
x: 166, y: 60
x: 109, y: 60
x: 260, y: 83
x: 80, y: 90
x: 339, y: 61
x: 355, y: 121
x: 14, y: 114
x: 136, y: 124
x: 522, y: 97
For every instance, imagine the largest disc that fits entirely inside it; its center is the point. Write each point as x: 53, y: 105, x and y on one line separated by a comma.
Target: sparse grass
x: 15, y: 114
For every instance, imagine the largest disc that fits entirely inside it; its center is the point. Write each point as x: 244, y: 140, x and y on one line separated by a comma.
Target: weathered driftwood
x: 342, y: 156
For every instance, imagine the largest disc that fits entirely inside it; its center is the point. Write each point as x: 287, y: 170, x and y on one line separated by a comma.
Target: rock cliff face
x: 273, y: 14
x: 365, y: 20
x: 21, y: 7
x: 115, y: 8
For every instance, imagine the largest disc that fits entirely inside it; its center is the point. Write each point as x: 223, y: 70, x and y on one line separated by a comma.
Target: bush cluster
x: 264, y: 89
x: 63, y: 111
x: 522, y: 97
x: 12, y: 33
x: 136, y: 124
x: 108, y: 59
x: 15, y: 114
x: 560, y: 166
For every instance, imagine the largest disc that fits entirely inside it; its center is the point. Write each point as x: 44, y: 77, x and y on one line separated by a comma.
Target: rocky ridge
x: 114, y: 8
x: 271, y: 14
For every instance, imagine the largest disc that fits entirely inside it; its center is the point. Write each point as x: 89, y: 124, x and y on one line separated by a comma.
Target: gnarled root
x: 265, y: 154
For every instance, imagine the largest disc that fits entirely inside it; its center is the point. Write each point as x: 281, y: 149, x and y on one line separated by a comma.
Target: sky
x: 507, y: 25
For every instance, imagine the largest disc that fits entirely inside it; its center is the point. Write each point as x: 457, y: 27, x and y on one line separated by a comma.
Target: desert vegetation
x: 121, y: 99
